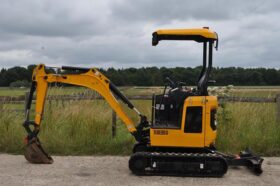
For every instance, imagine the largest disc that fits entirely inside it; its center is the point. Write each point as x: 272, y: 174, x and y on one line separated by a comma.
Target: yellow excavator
x: 180, y: 138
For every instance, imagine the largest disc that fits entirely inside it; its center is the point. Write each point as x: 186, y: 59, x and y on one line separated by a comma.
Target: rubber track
x: 180, y: 164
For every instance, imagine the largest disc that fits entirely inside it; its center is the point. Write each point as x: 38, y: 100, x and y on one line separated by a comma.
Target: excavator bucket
x: 34, y: 152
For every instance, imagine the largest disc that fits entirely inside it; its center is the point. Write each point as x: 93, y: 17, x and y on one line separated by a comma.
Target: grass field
x: 84, y: 127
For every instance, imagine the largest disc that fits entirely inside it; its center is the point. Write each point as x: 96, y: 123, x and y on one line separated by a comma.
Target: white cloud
x: 118, y: 32
x: 15, y: 54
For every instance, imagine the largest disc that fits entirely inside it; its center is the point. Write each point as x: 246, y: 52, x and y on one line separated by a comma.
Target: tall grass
x: 11, y: 132
x: 75, y: 127
x: 253, y: 125
x: 84, y: 128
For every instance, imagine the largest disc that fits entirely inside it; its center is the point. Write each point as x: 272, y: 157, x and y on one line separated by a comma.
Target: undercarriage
x: 198, y: 164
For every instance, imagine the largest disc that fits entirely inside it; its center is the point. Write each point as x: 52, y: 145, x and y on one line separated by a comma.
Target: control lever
x: 171, y: 83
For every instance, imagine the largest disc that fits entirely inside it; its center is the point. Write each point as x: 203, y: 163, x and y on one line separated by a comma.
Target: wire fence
x: 76, y: 97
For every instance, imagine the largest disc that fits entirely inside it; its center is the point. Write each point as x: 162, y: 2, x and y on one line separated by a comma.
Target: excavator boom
x: 90, y: 78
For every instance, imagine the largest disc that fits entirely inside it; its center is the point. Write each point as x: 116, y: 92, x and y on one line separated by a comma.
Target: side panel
x: 178, y: 137
x: 210, y: 127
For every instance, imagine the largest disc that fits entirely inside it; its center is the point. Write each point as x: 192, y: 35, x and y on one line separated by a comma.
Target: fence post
x: 278, y: 107
x: 26, y: 96
x: 114, y: 123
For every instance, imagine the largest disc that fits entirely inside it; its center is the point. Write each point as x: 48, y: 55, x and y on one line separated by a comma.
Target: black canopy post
x: 204, y: 60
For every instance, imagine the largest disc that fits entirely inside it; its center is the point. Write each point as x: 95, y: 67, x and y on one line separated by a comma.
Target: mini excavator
x: 180, y: 138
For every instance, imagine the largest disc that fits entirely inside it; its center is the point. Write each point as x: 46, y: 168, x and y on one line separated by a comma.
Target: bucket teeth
x: 34, y: 153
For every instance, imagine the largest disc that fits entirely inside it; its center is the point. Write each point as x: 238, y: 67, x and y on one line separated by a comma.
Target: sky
x: 118, y: 33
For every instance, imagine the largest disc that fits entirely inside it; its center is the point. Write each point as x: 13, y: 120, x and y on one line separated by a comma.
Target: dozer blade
x: 246, y: 158
x: 34, y: 152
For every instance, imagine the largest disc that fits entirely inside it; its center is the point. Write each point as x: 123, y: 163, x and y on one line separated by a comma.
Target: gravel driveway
x: 113, y: 170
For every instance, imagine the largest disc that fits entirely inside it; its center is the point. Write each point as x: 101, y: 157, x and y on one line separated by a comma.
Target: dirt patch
x: 113, y: 170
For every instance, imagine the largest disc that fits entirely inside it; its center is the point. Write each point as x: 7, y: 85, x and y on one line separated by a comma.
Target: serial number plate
x: 161, y: 132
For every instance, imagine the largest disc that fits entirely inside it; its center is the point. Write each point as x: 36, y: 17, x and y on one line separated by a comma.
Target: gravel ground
x: 113, y: 170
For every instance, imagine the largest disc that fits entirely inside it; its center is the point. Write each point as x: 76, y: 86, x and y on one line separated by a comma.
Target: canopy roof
x: 196, y: 34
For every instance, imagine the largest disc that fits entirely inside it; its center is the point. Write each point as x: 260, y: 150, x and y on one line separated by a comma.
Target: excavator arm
x: 90, y: 78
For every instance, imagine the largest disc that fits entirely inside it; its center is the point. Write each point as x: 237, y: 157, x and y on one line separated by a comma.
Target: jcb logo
x: 161, y: 132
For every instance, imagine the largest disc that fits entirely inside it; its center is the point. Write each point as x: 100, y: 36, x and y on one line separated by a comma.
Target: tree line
x: 154, y: 76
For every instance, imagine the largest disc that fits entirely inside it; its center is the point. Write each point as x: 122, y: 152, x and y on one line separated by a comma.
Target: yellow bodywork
x: 92, y: 79
x: 178, y: 138
x: 204, y: 32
